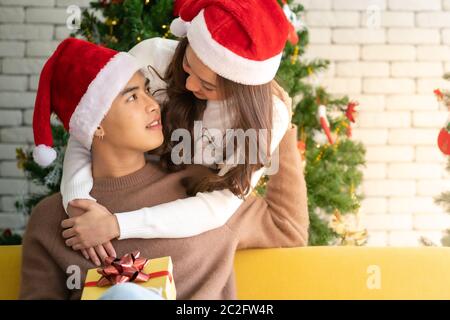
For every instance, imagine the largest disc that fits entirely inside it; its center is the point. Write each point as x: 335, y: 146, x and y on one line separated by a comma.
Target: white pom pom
x: 44, y: 155
x: 179, y: 27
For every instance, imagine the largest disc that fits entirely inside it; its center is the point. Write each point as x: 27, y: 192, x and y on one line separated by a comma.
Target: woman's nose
x: 192, y: 84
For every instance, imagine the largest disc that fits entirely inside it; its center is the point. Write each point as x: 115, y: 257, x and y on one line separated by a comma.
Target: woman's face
x: 134, y: 119
x: 202, y: 81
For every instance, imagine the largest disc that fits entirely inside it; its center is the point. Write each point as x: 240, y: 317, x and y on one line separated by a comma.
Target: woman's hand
x: 283, y: 96
x: 91, y: 229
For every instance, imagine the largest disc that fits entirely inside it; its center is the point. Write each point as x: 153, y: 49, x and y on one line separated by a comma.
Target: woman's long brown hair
x: 249, y: 107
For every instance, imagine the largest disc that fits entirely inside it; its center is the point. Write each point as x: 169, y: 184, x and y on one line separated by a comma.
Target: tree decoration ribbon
x: 322, y: 113
x: 126, y: 269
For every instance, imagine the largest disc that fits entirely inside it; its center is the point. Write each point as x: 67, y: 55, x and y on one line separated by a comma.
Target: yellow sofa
x: 314, y: 273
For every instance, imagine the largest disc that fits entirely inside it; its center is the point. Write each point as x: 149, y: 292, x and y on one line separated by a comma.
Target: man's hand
x: 87, y: 253
x: 90, y: 227
x: 283, y: 96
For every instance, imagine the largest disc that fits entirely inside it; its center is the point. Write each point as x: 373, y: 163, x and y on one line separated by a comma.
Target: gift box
x: 149, y: 273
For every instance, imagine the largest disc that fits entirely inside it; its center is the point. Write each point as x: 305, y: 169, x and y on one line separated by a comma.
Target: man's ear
x: 99, y: 132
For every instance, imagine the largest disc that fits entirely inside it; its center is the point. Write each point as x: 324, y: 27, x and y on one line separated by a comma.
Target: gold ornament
x: 262, y: 184
x: 295, y: 55
x: 338, y: 129
x: 352, y: 192
x: 319, y: 157
x: 111, y: 23
x: 111, y: 39
x: 21, y: 158
x: 349, y: 232
x: 336, y: 144
x: 342, y: 124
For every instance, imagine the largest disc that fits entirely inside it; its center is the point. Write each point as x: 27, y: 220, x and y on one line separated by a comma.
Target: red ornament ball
x: 444, y: 141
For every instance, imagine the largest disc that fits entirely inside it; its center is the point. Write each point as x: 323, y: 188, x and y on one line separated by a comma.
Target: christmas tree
x: 332, y: 160
x: 444, y: 145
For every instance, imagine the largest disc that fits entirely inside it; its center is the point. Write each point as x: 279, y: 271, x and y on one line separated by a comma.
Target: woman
x: 223, y: 77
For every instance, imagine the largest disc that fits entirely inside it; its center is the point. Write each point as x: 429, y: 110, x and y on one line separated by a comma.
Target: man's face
x: 134, y: 119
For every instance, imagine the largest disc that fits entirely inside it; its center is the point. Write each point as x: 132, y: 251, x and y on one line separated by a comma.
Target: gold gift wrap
x: 160, y: 271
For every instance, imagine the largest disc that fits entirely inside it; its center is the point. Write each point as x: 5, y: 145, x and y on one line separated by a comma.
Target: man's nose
x: 152, y: 106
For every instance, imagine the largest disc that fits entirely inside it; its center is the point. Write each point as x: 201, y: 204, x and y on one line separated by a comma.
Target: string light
x: 111, y: 23
x: 320, y: 155
x: 295, y: 55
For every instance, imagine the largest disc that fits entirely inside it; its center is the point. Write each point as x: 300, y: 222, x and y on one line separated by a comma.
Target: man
x: 123, y: 181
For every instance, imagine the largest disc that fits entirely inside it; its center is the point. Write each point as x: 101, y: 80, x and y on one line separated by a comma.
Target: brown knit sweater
x: 203, y: 264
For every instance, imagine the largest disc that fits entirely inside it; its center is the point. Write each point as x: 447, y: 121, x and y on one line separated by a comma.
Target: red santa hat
x: 240, y: 40
x: 78, y: 83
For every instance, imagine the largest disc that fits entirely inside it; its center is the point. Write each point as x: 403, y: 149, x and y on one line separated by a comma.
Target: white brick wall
x: 390, y: 68
x: 398, y: 62
x: 29, y: 32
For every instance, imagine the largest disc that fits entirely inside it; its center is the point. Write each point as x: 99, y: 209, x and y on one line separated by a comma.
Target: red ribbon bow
x: 126, y: 269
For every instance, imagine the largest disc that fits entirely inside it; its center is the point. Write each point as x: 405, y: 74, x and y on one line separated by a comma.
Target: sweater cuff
x: 77, y: 192
x: 131, y: 225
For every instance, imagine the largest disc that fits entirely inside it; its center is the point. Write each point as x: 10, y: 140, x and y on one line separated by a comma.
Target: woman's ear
x: 99, y: 132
